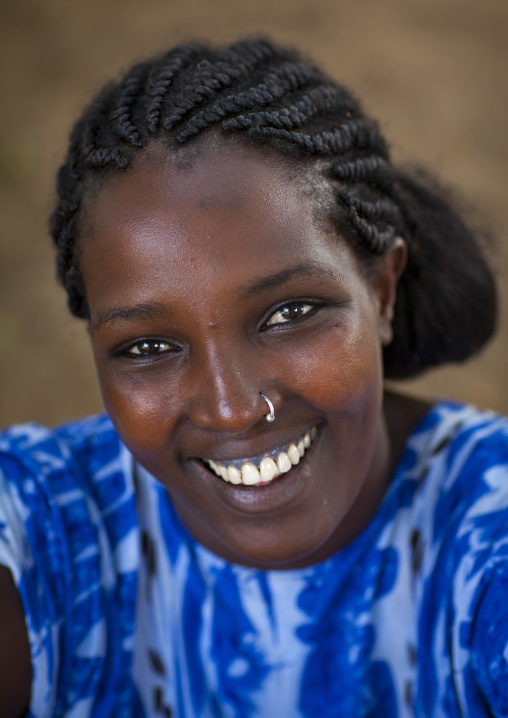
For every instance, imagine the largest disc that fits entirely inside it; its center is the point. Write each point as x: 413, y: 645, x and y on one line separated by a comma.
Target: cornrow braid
x: 99, y: 145
x: 376, y: 220
x: 213, y: 77
x: 291, y: 117
x: 286, y: 79
x: 123, y: 116
x: 376, y: 167
x: 267, y: 94
x: 329, y: 142
x: 161, y: 76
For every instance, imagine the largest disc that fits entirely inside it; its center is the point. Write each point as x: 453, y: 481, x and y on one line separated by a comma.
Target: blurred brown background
x: 432, y: 71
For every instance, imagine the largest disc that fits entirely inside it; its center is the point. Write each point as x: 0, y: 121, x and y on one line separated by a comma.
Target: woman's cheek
x: 139, y: 409
x: 336, y: 369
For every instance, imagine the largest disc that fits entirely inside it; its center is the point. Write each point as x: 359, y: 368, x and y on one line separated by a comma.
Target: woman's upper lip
x: 238, y: 450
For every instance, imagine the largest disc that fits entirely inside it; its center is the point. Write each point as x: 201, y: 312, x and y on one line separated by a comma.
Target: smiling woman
x: 256, y: 527
x: 228, y: 296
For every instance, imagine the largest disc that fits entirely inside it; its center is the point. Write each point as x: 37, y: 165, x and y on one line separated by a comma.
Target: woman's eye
x: 289, y: 313
x: 148, y: 348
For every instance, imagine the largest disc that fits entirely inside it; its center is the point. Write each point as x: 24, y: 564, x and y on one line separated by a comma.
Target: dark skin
x: 210, y: 278
x: 15, y: 665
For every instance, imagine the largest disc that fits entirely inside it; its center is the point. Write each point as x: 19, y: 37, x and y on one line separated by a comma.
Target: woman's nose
x: 224, y: 393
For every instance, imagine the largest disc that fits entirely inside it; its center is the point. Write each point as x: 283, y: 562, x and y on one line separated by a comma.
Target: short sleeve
x: 68, y: 534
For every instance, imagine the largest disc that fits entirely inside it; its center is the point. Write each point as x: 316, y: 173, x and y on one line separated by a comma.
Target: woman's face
x: 209, y: 280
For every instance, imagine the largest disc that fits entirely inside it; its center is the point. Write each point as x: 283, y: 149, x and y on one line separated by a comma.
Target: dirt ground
x: 433, y: 72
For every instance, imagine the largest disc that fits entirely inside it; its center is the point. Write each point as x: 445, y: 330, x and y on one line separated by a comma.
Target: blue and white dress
x: 129, y: 618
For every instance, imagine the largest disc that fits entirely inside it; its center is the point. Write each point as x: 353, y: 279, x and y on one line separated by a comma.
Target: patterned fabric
x: 128, y: 616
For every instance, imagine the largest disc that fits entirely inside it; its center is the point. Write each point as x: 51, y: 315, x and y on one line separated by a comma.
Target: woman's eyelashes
x: 291, y: 312
x: 147, y: 349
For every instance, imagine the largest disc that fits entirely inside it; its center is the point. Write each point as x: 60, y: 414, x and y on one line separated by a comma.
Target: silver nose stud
x: 271, y: 414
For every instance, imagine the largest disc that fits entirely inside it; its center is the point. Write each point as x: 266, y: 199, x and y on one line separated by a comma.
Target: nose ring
x: 271, y: 414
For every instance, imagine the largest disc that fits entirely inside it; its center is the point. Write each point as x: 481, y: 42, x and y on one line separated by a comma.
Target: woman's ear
x: 385, y: 286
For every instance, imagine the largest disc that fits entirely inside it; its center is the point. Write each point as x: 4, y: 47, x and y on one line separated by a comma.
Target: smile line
x: 262, y: 469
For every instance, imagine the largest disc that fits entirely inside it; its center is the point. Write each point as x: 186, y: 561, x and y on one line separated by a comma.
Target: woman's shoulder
x: 429, y: 428
x: 78, y: 475
x: 450, y: 456
x: 62, y: 491
x: 86, y: 454
x: 458, y: 457
x: 451, y: 485
x: 34, y: 442
x: 461, y: 438
x: 455, y: 465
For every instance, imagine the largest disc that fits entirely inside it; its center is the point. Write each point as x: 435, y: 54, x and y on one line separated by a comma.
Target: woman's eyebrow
x: 128, y: 314
x: 305, y: 269
x: 149, y: 310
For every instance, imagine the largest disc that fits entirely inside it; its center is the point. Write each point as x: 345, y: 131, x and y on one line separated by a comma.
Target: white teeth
x: 250, y: 475
x: 294, y: 455
x: 283, y: 462
x: 234, y: 476
x: 223, y: 472
x: 278, y: 462
x: 268, y: 469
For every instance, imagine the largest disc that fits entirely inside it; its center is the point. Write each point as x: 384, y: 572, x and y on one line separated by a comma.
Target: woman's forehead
x: 208, y: 183
x: 232, y: 214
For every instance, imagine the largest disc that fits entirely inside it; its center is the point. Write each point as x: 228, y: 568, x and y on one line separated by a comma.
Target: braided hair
x: 268, y: 96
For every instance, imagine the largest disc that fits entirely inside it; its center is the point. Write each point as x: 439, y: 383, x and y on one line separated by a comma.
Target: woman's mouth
x: 260, y: 470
